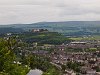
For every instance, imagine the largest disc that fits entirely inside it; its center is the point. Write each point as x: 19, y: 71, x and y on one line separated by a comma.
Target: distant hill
x: 4, y: 30
x: 69, y: 28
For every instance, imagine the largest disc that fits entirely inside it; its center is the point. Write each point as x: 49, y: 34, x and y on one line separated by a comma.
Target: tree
x: 7, y: 57
x: 51, y: 72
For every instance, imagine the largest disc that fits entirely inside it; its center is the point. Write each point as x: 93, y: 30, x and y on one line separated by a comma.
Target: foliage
x: 52, y: 71
x: 42, y: 63
x: 74, y: 65
x: 44, y: 38
x: 7, y: 57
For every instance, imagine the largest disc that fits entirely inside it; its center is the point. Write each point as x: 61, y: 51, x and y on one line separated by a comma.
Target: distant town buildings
x: 39, y: 30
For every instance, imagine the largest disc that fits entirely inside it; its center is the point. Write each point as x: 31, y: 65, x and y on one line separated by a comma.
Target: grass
x: 94, y: 37
x: 76, y: 39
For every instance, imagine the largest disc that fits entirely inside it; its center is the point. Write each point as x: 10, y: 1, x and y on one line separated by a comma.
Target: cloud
x: 23, y: 2
x: 27, y: 14
x: 29, y: 11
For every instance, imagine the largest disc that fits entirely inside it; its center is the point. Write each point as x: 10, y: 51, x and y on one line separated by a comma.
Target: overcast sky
x: 31, y: 11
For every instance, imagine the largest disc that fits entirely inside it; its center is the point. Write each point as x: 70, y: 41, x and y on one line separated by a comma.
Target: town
x: 49, y: 37
x: 71, y: 57
x: 61, y: 55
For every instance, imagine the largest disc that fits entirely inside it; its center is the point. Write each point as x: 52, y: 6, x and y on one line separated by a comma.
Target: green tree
x: 7, y: 57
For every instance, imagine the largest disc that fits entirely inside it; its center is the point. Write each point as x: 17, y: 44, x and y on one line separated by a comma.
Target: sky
x: 32, y: 11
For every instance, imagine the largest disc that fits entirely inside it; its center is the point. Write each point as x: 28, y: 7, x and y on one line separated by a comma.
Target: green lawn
x: 94, y: 37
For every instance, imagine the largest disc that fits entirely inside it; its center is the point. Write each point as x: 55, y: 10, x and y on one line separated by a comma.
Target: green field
x: 94, y: 37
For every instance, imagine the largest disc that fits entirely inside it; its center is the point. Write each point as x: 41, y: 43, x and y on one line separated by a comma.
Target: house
x: 70, y: 72
x: 38, y: 30
x: 91, y: 72
x: 97, y: 73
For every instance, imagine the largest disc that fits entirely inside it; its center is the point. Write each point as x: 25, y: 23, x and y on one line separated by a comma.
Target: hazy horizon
x: 49, y: 21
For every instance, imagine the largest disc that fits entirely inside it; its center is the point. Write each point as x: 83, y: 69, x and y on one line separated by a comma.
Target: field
x: 94, y: 37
